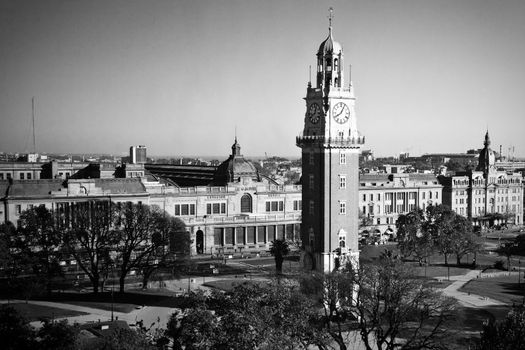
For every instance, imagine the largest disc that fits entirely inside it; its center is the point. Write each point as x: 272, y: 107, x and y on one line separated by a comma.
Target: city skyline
x: 184, y: 77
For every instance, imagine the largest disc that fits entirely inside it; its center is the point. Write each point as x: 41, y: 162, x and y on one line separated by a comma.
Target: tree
x: 394, y: 309
x: 508, y: 334
x: 57, y: 335
x: 15, y: 331
x: 252, y: 316
x: 91, y: 239
x: 451, y: 232
x: 40, y: 242
x: 464, y: 240
x: 134, y: 237
x: 412, y: 239
x: 279, y: 249
x: 172, y: 247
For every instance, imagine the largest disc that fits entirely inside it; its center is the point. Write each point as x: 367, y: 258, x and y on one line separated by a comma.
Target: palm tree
x: 279, y: 249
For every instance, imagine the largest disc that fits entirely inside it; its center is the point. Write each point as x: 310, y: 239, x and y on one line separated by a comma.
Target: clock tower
x: 330, y: 146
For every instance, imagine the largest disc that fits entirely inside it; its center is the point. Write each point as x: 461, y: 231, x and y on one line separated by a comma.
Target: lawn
x: 504, y: 288
x: 33, y: 312
x: 121, y: 302
x: 228, y: 285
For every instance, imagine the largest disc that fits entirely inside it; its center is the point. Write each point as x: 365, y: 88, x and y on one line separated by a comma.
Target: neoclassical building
x: 383, y: 197
x: 227, y: 209
x: 230, y: 208
x: 487, y: 195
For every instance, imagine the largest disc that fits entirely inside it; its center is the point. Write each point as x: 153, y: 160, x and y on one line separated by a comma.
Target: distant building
x: 137, y: 154
x: 383, y: 197
x: 487, y: 195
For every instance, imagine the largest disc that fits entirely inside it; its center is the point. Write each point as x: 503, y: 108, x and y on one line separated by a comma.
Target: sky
x: 183, y: 77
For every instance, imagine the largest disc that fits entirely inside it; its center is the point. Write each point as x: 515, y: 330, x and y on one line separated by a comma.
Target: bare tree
x: 390, y: 307
x: 90, y: 239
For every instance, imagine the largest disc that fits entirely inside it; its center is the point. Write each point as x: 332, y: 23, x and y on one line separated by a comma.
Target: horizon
x: 429, y: 77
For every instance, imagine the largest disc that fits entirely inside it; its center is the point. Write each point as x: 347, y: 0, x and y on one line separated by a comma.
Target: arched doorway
x: 200, y: 242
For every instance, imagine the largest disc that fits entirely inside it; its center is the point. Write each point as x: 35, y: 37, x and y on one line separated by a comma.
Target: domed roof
x: 329, y: 46
x: 235, y: 168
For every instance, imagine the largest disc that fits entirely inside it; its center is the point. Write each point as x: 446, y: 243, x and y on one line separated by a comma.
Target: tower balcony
x: 329, y: 142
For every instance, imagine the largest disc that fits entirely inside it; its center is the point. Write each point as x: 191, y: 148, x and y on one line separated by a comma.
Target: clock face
x: 341, y: 113
x: 314, y: 113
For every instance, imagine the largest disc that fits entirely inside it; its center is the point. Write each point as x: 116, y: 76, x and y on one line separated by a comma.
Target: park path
x: 467, y: 299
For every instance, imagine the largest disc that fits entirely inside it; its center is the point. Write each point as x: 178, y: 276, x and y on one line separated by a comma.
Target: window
x: 342, y: 181
x: 184, y: 209
x: 378, y: 221
x: 297, y: 205
x: 18, y: 209
x: 1, y: 176
x: 423, y: 195
x: 29, y: 176
x: 341, y: 134
x: 215, y: 208
x: 342, y: 208
x: 364, y: 197
x: 342, y: 158
x: 311, y: 181
x: 274, y: 206
x: 364, y: 209
x: 311, y: 208
x: 22, y: 176
x: 437, y: 195
x: 246, y: 203
x: 379, y: 196
x: 311, y: 158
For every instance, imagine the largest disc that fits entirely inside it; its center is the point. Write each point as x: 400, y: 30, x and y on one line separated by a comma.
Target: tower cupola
x: 330, y: 62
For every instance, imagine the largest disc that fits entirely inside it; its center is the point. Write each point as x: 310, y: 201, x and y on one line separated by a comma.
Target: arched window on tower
x: 246, y: 203
x: 328, y: 64
x: 336, y: 65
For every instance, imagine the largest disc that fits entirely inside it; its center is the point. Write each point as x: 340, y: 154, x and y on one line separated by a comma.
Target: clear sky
x: 179, y: 76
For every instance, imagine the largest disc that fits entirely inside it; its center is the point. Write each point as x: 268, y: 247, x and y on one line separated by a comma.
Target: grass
x: 228, y: 285
x: 32, y: 312
x: 122, y: 302
x: 504, y: 288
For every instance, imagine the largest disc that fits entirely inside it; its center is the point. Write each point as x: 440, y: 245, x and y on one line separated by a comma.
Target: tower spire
x: 330, y: 17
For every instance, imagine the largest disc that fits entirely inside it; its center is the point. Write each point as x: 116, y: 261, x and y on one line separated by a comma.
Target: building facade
x: 234, y: 210
x: 487, y: 195
x: 330, y: 146
x: 229, y: 209
x: 137, y: 154
x: 383, y: 197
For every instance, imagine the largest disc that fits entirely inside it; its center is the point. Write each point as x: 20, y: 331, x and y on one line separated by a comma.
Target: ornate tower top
x: 330, y: 72
x: 236, y: 148
x: 487, y: 139
x: 487, y: 158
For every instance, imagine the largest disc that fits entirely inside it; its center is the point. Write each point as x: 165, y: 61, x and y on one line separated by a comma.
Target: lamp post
x: 112, y: 288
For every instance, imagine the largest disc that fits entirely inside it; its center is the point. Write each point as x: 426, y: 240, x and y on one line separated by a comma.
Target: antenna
x: 310, y: 75
x: 33, y: 110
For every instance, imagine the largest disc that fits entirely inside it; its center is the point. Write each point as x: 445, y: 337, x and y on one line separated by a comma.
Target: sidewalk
x: 467, y: 299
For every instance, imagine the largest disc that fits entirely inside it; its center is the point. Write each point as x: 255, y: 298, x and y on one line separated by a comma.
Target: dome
x: 329, y: 46
x: 235, y: 168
